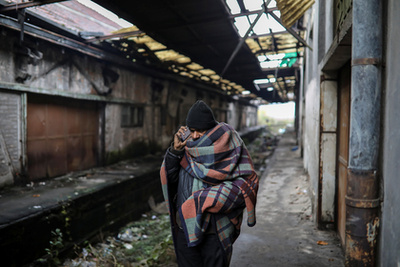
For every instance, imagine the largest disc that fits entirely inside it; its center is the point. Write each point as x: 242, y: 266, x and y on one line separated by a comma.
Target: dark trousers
x: 207, y: 254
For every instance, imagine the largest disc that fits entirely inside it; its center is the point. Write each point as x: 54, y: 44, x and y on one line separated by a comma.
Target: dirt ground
x: 285, y: 234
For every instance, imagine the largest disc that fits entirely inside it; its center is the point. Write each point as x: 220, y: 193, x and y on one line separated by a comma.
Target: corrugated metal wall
x: 61, y: 136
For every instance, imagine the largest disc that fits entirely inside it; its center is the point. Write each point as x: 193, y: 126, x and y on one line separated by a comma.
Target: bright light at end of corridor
x: 279, y: 111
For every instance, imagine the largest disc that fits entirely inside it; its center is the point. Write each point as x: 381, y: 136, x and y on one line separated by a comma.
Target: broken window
x: 132, y: 116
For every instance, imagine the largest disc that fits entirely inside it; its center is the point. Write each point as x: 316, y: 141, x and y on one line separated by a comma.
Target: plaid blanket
x: 219, y: 160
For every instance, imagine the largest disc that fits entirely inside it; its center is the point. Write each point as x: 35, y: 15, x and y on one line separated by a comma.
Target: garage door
x: 62, y: 136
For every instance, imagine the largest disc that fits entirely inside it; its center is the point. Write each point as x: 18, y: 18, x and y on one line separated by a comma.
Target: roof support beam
x: 240, y: 44
x: 290, y: 30
x: 283, y: 96
x: 281, y: 50
x: 248, y: 13
x: 254, y: 36
x: 111, y: 36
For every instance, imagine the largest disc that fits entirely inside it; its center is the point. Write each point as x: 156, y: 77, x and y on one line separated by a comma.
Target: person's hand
x: 178, y: 144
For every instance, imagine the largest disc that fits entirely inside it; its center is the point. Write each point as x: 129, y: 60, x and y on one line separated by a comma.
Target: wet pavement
x: 285, y: 234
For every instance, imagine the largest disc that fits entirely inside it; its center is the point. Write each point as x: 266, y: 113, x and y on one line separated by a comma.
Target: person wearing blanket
x: 207, y: 181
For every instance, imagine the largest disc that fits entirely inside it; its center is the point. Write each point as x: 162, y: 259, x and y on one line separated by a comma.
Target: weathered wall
x: 10, y: 117
x: 40, y: 68
x: 390, y: 231
x: 328, y: 116
x: 234, y: 115
x: 319, y: 112
x: 136, y: 88
x: 327, y: 164
x: 6, y: 63
x: 311, y: 107
x: 241, y: 117
x: 40, y: 65
x: 250, y: 117
x: 10, y: 136
x: 311, y: 134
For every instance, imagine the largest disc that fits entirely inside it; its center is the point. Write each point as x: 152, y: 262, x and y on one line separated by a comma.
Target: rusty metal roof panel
x: 292, y: 10
x: 197, y: 39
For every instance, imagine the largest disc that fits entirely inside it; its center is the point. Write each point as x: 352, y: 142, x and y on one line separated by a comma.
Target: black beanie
x: 200, y: 116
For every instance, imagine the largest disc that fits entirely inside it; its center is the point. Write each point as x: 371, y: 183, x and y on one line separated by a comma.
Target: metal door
x: 62, y: 136
x: 343, y: 149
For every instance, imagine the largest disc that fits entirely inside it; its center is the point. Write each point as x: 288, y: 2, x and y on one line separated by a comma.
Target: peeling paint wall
x: 311, y: 116
x: 390, y: 226
x: 311, y: 136
x: 319, y: 111
x: 6, y: 62
x: 317, y: 146
x: 328, y: 127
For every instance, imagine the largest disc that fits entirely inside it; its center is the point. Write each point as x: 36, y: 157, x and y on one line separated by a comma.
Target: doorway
x: 343, y: 147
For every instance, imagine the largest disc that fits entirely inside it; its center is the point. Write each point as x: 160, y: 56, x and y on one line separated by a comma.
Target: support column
x: 362, y: 198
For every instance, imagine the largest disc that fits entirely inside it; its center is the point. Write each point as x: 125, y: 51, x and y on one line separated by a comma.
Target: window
x: 132, y: 116
x: 163, y: 116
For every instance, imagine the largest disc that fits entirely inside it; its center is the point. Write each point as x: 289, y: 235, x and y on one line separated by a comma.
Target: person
x: 207, y: 180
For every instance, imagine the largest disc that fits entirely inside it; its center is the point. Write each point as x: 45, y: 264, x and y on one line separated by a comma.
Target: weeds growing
x: 146, y: 242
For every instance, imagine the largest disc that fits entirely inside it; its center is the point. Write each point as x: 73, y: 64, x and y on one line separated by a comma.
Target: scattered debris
x: 146, y: 242
x: 322, y: 243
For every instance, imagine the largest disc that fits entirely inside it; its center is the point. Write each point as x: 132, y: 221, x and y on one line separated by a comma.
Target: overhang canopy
x: 200, y: 40
x: 205, y: 31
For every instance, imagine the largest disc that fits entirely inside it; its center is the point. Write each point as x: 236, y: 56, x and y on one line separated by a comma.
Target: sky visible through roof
x: 265, y: 24
x: 242, y: 23
x: 108, y: 14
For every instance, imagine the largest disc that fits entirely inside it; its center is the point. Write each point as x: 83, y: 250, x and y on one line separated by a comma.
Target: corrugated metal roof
x: 196, y: 39
x: 292, y: 10
x: 205, y: 32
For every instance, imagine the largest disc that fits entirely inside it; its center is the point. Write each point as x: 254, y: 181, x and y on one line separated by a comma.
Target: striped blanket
x: 219, y: 160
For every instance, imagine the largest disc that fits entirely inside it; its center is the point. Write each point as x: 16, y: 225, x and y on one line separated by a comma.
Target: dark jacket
x: 178, y: 176
x: 181, y: 180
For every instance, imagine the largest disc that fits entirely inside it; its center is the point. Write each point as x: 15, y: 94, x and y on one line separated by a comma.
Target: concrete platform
x: 81, y: 205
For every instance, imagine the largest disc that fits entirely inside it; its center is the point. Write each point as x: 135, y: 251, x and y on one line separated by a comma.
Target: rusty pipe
x: 362, y: 217
x: 362, y: 196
